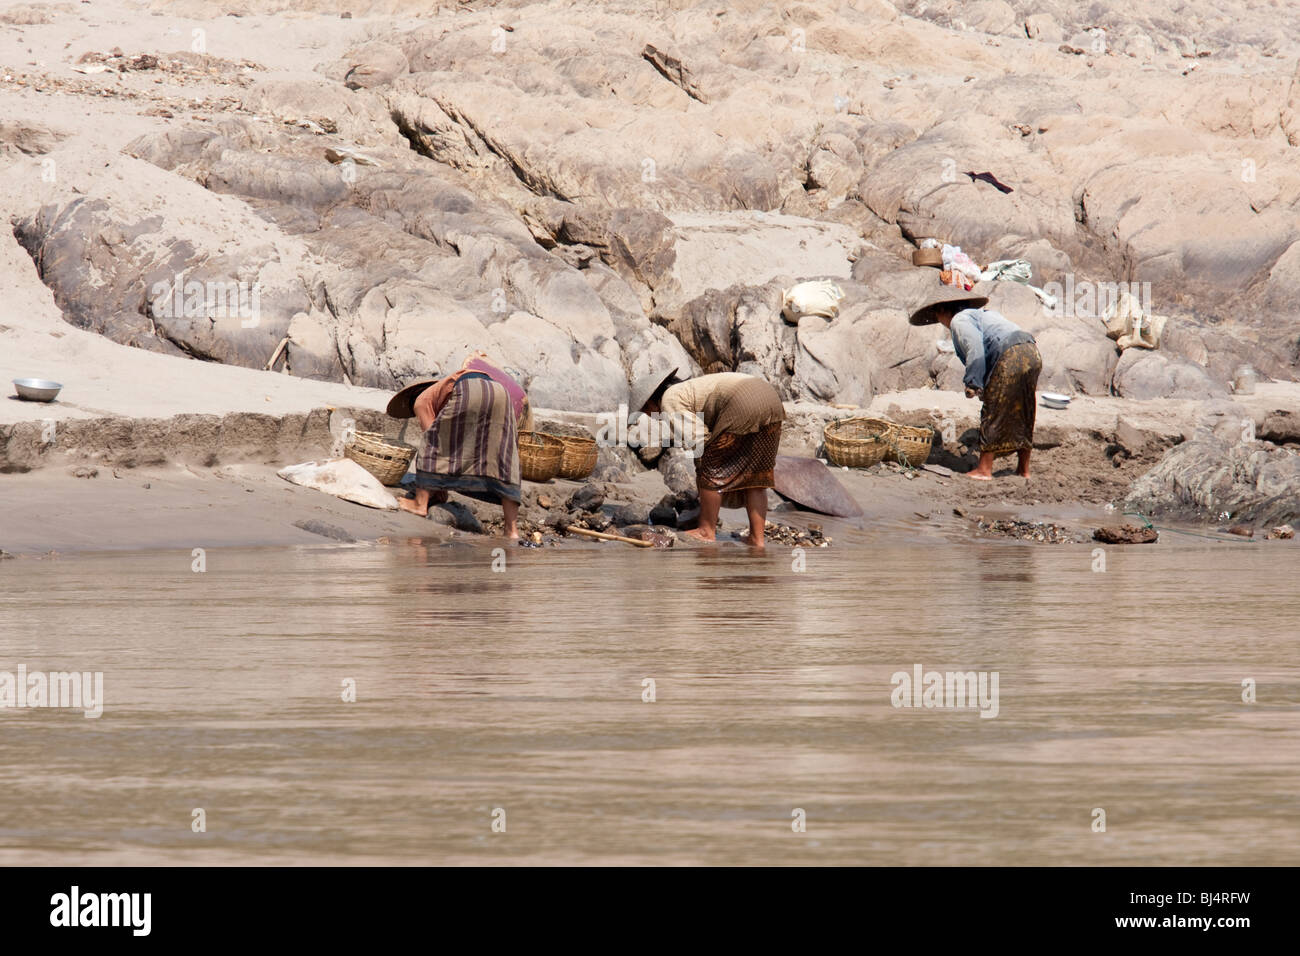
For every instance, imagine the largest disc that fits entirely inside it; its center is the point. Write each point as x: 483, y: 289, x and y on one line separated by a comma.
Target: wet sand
x: 248, y: 505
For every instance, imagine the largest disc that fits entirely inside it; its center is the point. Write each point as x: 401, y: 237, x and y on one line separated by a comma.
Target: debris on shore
x: 1045, y: 532
x: 1126, y: 534
x: 550, y: 515
x: 811, y: 537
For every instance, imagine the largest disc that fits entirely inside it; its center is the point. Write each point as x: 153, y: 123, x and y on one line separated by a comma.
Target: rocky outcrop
x: 589, y: 190
x: 1220, y: 477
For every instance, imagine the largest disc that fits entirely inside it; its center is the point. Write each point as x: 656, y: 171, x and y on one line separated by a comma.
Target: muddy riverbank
x: 73, y: 483
x: 104, y: 507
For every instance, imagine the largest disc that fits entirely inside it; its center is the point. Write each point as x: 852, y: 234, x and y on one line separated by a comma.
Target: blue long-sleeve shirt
x: 979, y: 337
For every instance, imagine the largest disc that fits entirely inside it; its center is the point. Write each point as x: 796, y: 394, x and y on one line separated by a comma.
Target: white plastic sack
x: 821, y: 297
x: 342, y: 478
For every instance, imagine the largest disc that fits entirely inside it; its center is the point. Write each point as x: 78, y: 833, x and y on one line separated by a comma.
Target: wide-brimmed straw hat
x: 402, y: 405
x: 646, y: 386
x: 948, y: 295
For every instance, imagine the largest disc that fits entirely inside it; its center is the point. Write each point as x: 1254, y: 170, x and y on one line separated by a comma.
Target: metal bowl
x: 37, y: 389
x: 1055, y: 400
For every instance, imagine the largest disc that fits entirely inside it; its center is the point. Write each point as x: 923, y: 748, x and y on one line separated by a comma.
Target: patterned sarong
x: 1007, y: 418
x: 472, y: 447
x: 732, y: 463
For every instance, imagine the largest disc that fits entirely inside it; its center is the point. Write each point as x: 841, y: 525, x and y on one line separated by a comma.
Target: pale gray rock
x: 374, y: 64
x: 1042, y: 26
x: 1210, y: 477
x: 1144, y: 374
x: 678, y: 470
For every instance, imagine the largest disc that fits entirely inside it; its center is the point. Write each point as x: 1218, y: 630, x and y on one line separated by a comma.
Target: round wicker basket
x: 927, y: 257
x: 910, y: 445
x: 384, y: 459
x: 857, y: 442
x: 579, y: 459
x: 539, y: 456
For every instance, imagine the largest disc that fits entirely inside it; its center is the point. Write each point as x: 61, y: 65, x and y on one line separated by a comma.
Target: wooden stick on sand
x: 276, y: 354
x: 610, y: 537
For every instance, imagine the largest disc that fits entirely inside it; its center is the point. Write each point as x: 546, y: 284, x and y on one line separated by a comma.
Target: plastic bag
x: 957, y: 279
x: 956, y: 260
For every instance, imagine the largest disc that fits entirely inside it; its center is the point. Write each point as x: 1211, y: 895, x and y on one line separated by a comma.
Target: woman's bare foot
x: 698, y: 535
x: 1023, y: 474
x: 983, y: 471
x: 409, y: 504
x: 748, y: 539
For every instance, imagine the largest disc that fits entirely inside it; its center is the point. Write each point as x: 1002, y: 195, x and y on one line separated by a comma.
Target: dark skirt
x: 1007, y: 418
x: 472, y: 447
x: 732, y: 463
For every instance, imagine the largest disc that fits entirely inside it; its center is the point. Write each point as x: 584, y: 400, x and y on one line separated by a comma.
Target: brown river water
x: 517, y: 695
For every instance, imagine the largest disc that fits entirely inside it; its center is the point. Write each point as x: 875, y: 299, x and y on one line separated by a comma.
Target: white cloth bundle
x: 821, y: 297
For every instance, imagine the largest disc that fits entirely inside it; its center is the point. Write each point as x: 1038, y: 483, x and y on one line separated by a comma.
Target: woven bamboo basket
x: 539, y: 456
x: 579, y: 459
x: 857, y: 442
x: 384, y: 459
x: 910, y: 445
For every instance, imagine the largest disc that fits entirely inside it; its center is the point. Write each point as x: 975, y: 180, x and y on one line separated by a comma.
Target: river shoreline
x: 96, y: 508
x: 126, y: 482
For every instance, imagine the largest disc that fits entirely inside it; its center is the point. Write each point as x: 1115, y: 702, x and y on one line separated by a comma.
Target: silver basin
x: 37, y: 389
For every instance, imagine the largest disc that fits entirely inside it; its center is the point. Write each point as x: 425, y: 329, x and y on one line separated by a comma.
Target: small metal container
x: 1243, y: 380
x: 36, y: 389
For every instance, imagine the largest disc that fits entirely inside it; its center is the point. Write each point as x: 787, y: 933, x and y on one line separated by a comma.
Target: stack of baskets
x: 540, y: 456
x: 386, y: 460
x: 863, y: 442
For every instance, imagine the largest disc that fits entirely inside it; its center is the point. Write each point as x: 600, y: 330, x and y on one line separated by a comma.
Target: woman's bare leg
x: 1023, y: 469
x: 756, y: 506
x: 710, y: 505
x: 511, y: 509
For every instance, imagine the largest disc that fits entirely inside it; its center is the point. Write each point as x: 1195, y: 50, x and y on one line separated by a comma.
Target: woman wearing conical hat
x: 733, y: 421
x: 470, y: 421
x: 1002, y: 368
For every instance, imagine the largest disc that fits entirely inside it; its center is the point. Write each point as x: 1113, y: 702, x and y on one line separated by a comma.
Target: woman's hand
x: 974, y: 392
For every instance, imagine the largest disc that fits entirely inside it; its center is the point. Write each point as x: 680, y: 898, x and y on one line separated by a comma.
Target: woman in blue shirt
x: 1002, y: 368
